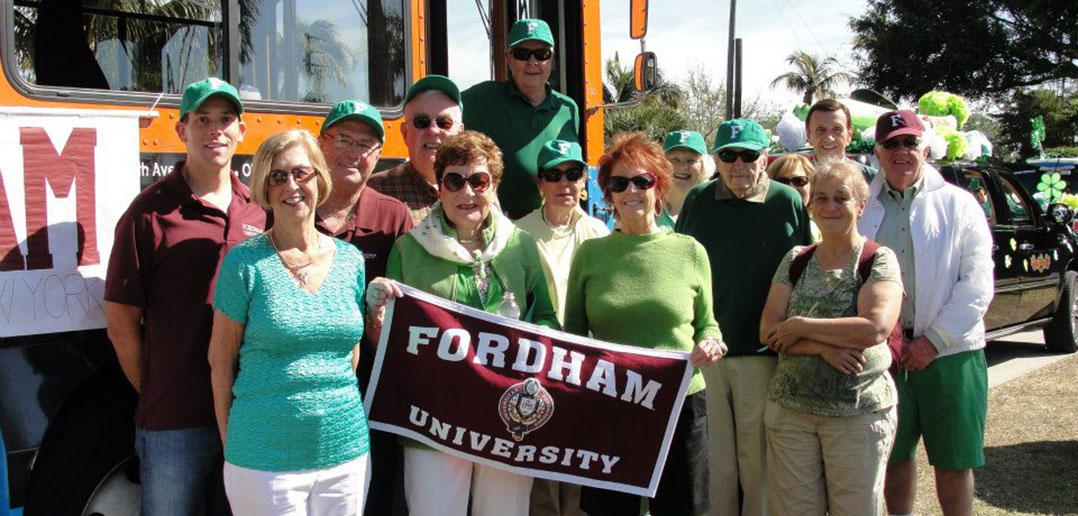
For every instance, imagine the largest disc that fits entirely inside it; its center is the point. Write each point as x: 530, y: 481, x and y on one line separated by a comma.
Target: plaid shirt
x: 404, y: 183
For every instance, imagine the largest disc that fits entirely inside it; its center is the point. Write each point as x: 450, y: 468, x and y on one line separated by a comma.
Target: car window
x: 977, y: 184
x: 1016, y: 206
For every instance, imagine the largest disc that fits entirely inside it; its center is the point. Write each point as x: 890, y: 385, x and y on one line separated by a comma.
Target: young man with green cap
x: 687, y: 153
x: 432, y: 113
x: 747, y: 223
x: 168, y: 247
x: 523, y: 113
x: 351, y: 140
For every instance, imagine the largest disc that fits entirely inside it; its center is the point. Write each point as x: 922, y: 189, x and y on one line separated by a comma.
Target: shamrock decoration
x: 1051, y: 186
x: 1007, y: 261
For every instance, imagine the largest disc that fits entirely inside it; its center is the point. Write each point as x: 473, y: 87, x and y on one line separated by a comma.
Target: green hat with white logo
x: 356, y: 110
x: 197, y: 92
x: 691, y: 140
x: 556, y: 152
x: 526, y: 29
x: 741, y: 132
x: 438, y: 83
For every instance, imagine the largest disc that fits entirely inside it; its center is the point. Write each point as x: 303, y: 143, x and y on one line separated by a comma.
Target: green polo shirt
x: 500, y: 110
x: 745, y: 240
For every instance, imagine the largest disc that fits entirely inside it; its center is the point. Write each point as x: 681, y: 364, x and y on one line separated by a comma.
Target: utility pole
x: 730, y: 63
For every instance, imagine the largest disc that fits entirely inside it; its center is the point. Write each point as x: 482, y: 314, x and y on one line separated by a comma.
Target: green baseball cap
x: 356, y: 110
x: 197, y: 92
x: 741, y: 132
x: 526, y: 29
x: 691, y: 140
x: 435, y: 82
x: 556, y: 152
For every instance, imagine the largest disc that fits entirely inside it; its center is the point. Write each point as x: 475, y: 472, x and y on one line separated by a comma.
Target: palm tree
x: 620, y: 86
x: 816, y: 78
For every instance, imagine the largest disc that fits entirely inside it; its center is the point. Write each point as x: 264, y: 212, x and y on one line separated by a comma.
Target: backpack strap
x: 797, y: 266
x: 865, y: 261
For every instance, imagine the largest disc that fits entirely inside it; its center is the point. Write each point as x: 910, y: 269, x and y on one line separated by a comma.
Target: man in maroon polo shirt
x: 169, y: 245
x: 351, y: 139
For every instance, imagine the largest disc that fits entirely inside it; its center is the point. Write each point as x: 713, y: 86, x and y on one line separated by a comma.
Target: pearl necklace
x: 559, y: 231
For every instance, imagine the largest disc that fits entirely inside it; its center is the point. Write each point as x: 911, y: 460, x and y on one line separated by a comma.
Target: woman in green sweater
x: 466, y: 251
x: 649, y: 287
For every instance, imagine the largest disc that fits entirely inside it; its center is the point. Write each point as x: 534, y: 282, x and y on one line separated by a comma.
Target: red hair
x: 639, y: 150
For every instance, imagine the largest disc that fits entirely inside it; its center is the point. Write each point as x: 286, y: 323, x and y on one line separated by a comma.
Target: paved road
x: 1016, y: 355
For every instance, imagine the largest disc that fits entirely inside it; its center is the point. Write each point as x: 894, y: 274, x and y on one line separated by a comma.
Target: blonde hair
x: 846, y: 172
x: 788, y: 163
x: 263, y: 160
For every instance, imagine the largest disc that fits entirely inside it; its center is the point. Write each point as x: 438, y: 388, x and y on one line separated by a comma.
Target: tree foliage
x: 976, y: 48
x: 656, y: 114
x: 813, y: 77
x: 1060, y: 112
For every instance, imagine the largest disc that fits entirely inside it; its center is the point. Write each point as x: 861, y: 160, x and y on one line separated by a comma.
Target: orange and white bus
x: 89, y: 96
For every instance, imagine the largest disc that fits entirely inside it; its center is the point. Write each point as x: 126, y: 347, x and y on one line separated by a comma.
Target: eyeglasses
x: 730, y: 156
x: 280, y: 177
x: 553, y: 175
x: 343, y: 142
x: 540, y: 54
x: 618, y: 184
x: 909, y: 143
x: 423, y: 121
x: 797, y: 181
x: 479, y: 181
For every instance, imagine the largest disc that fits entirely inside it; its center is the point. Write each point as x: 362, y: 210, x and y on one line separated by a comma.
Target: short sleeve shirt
x: 500, y: 110
x: 807, y: 383
x: 378, y: 221
x: 168, y: 248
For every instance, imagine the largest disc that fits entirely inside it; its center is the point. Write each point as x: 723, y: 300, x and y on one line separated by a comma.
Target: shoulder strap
x: 868, y: 256
x: 797, y: 266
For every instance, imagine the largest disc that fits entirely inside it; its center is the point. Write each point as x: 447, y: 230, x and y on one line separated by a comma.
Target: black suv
x: 1034, y: 253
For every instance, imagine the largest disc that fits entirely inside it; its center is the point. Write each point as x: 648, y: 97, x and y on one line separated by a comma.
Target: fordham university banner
x: 524, y: 398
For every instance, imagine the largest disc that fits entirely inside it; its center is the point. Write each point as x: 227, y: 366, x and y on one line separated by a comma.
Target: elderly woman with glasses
x: 288, y: 318
x: 649, y: 287
x: 466, y: 251
x: 687, y: 153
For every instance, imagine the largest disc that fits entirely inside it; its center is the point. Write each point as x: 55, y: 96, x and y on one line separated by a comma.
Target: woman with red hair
x: 649, y: 287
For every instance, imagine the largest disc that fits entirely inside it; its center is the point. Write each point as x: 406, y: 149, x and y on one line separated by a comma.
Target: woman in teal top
x: 468, y: 252
x: 649, y: 287
x: 288, y: 313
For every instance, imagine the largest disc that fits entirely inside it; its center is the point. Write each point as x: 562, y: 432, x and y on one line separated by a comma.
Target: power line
x: 809, y: 29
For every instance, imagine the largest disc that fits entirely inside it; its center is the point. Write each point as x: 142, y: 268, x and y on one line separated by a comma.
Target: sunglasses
x: 730, y: 156
x: 618, y: 184
x: 479, y: 181
x: 280, y: 177
x: 540, y: 54
x: 423, y: 121
x: 909, y: 143
x: 797, y: 181
x: 553, y: 175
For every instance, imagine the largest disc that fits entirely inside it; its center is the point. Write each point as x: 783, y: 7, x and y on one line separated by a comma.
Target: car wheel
x: 1061, y: 335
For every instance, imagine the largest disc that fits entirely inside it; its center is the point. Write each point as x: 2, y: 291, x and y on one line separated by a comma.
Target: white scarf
x: 432, y: 236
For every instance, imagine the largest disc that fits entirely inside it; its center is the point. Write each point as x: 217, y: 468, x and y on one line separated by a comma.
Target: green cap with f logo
x: 526, y: 29
x: 741, y: 132
x: 556, y: 152
x: 197, y: 92
x: 691, y: 140
x: 359, y: 111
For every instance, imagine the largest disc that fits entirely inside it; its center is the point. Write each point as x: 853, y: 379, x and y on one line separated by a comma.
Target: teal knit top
x: 651, y: 291
x: 297, y: 405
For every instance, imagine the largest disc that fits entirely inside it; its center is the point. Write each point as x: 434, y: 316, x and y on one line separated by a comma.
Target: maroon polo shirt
x: 169, y: 245
x: 379, y: 221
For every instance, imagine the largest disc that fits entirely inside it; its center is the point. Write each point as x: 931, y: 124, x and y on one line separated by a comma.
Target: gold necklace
x: 296, y: 270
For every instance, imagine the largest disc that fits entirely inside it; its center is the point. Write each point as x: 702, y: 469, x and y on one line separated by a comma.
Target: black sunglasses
x: 280, y: 177
x: 909, y: 143
x: 730, y: 156
x: 540, y: 54
x: 553, y: 175
x: 423, y: 121
x: 618, y: 184
x: 479, y: 181
x: 797, y: 181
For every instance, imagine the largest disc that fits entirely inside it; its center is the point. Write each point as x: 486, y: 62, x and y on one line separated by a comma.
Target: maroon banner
x: 524, y: 398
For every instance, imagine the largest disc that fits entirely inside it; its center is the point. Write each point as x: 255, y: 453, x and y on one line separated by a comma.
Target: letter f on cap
x: 896, y: 118
x: 735, y: 130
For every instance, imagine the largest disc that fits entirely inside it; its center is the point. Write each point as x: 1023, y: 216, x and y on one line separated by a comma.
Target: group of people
x: 832, y: 313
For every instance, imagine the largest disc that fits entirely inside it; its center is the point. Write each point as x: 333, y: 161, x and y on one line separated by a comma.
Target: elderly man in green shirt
x: 522, y: 114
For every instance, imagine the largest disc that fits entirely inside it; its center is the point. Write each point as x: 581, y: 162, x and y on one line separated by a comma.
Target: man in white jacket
x: 944, y: 247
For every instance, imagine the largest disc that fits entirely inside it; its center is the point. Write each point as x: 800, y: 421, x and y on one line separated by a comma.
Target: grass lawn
x: 1031, y: 448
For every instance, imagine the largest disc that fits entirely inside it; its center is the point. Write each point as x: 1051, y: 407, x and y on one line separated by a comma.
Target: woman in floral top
x: 830, y: 416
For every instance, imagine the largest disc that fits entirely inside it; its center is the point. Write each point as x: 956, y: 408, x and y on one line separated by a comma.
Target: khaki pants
x: 737, y: 449
x: 819, y: 465
x: 552, y: 498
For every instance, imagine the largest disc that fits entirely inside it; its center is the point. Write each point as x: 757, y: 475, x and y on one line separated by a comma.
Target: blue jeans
x: 181, y: 472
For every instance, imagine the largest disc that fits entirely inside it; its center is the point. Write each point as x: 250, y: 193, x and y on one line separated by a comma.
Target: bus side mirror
x: 638, y: 18
x: 646, y: 71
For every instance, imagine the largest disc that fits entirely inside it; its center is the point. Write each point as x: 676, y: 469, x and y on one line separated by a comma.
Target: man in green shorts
x: 944, y: 248
x: 522, y: 114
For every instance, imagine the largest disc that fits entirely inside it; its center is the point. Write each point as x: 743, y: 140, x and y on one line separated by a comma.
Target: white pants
x: 438, y: 484
x: 338, y: 491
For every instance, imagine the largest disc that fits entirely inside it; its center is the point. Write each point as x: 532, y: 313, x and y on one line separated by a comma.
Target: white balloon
x: 791, y: 132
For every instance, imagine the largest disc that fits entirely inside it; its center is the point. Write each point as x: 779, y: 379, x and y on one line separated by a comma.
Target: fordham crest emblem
x: 524, y: 407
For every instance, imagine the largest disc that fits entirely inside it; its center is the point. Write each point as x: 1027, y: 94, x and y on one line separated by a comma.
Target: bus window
x: 154, y: 46
x: 322, y: 51
x: 468, y: 32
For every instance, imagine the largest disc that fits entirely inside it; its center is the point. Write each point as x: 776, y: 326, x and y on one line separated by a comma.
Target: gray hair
x: 845, y: 171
